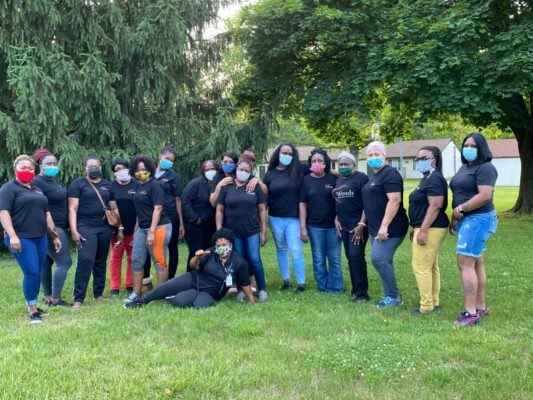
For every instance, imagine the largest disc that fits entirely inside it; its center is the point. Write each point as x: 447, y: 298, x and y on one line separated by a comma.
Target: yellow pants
x: 426, y: 267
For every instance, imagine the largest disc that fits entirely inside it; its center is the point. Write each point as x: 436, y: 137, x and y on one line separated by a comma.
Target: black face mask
x: 94, y: 173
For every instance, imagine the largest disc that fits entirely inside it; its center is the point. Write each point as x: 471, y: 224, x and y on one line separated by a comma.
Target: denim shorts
x: 473, y: 231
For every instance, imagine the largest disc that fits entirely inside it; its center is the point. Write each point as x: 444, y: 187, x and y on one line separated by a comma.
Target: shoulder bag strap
x: 98, y: 194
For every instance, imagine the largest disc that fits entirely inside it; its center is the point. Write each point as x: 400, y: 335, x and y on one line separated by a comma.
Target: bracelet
x: 120, y: 228
x: 361, y: 223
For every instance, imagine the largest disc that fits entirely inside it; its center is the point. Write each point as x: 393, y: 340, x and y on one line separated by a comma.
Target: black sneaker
x: 60, y: 303
x: 114, y: 292
x: 286, y: 285
x: 35, y: 318
x: 360, y: 298
x: 41, y: 312
x: 129, y: 289
x: 300, y: 289
x: 137, y: 303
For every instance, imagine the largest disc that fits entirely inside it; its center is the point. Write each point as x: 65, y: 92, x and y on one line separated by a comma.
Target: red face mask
x: 25, y: 176
x: 317, y: 168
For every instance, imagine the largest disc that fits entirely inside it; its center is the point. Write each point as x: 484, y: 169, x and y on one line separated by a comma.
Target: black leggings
x: 183, y: 288
x: 198, y: 237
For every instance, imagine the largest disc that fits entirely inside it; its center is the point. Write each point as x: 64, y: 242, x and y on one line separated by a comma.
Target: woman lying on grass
x: 213, y: 273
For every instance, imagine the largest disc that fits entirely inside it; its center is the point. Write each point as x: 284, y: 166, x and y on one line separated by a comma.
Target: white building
x: 506, y: 159
x: 408, y: 149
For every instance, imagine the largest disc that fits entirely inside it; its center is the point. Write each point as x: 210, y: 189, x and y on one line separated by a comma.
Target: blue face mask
x: 423, y: 166
x: 228, y: 168
x: 469, y: 153
x: 375, y: 162
x: 50, y: 171
x: 165, y: 164
x: 285, y: 159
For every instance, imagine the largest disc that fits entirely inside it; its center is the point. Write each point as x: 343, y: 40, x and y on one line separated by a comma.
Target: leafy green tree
x: 343, y: 64
x: 115, y: 78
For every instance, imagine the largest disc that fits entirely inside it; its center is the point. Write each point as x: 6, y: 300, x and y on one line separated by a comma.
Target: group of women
x: 223, y: 216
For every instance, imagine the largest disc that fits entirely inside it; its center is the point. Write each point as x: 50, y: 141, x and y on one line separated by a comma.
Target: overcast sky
x: 225, y: 13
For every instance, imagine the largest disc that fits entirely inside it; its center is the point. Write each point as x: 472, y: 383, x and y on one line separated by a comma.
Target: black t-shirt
x: 171, y: 184
x: 465, y: 182
x: 90, y: 211
x: 317, y: 194
x: 283, y: 194
x: 240, y: 209
x: 212, y: 274
x: 27, y: 207
x: 124, y: 198
x: 57, y: 199
x: 147, y: 196
x: 349, y: 199
x: 195, y: 201
x: 386, y: 180
x: 433, y: 184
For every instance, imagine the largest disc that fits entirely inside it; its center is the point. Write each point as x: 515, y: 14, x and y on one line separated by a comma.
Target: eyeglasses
x: 423, y: 158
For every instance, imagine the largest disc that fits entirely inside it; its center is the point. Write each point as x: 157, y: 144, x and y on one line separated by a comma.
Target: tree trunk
x: 524, y: 202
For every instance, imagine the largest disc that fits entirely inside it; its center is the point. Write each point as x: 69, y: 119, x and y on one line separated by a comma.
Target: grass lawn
x: 311, y: 346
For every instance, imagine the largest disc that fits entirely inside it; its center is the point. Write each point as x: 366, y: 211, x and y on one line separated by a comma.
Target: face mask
x: 345, y: 171
x: 209, y: 175
x: 94, y: 172
x: 285, y: 159
x: 223, y: 250
x: 142, y: 176
x: 228, y: 168
x: 50, y: 171
x: 317, y: 168
x: 165, y: 164
x: 123, y: 175
x: 423, y: 166
x: 25, y: 176
x: 469, y: 153
x: 375, y: 162
x: 243, y: 176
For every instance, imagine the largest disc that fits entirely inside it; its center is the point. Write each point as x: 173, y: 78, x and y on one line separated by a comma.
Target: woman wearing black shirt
x: 386, y: 219
x: 350, y: 222
x: 154, y: 229
x: 244, y: 214
x: 171, y: 184
x: 123, y: 188
x: 427, y: 215
x: 198, y: 212
x: 89, y: 228
x: 317, y: 223
x: 474, y: 220
x: 284, y: 181
x: 26, y: 220
x: 56, y: 194
x: 213, y: 273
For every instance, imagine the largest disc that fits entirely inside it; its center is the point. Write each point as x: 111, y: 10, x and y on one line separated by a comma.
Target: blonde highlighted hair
x: 23, y: 157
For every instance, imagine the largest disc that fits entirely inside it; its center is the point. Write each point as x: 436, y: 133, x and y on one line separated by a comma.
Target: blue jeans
x: 325, y: 244
x: 286, y: 233
x: 248, y: 248
x: 30, y: 258
x: 382, y: 257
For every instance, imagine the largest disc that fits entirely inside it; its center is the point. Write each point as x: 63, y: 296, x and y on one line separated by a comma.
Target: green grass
x: 311, y: 346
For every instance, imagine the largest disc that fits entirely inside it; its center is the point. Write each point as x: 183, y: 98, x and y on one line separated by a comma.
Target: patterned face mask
x: 223, y: 250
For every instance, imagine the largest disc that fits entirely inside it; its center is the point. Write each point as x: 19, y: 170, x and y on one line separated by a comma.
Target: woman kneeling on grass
x: 474, y: 220
x: 214, y: 271
x: 26, y: 220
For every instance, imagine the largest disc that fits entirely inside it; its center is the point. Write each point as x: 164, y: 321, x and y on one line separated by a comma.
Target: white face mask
x: 243, y: 176
x: 209, y: 175
x: 123, y: 175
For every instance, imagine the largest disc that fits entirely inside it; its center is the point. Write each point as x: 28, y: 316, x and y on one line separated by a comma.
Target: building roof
x: 504, y: 148
x: 410, y: 147
x: 305, y: 151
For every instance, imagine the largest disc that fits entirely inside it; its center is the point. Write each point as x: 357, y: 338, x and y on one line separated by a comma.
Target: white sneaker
x: 131, y: 298
x: 240, y: 296
x: 263, y: 295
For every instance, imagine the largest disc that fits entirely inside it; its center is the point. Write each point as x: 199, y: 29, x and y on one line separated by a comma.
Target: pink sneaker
x: 467, y: 319
x: 483, y: 312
